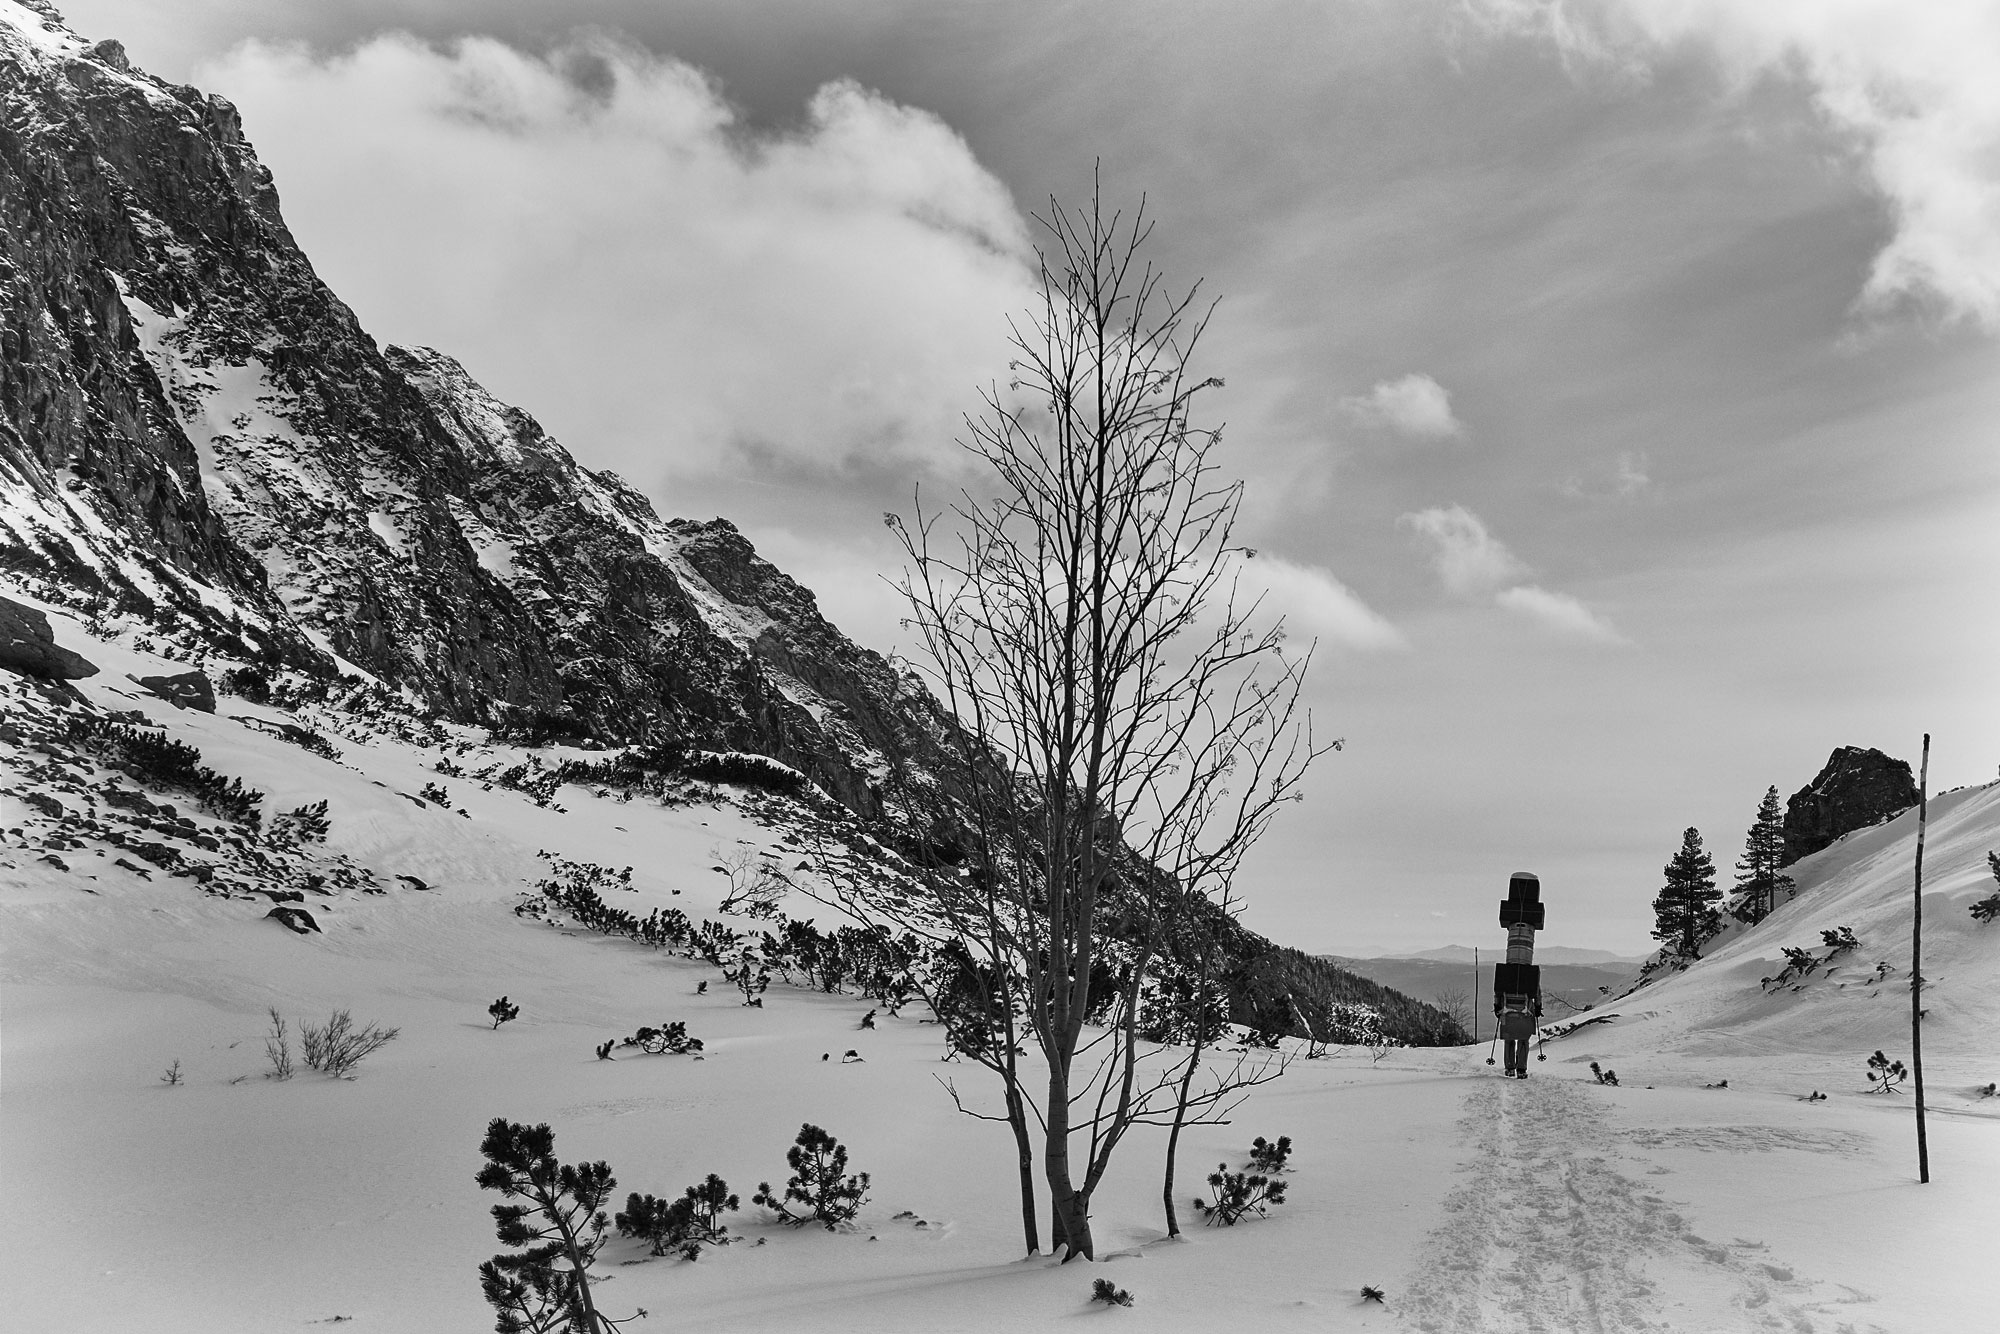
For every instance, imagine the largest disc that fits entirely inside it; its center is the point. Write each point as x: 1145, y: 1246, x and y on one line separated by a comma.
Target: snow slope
x: 233, y: 1202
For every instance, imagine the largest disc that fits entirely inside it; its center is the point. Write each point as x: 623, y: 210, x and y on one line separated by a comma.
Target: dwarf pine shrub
x: 1604, y: 1076
x: 1238, y: 1195
x: 683, y: 1225
x: 302, y: 824
x: 1884, y: 1073
x: 502, y: 1011
x: 1267, y: 1157
x: 1104, y: 1290
x: 672, y: 1038
x: 1988, y: 908
x: 819, y: 1184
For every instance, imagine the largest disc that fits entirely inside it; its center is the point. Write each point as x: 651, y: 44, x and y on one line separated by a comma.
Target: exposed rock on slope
x: 196, y: 432
x: 28, y: 646
x: 1856, y: 789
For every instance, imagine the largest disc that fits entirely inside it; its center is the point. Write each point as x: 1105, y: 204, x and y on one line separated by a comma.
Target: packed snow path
x: 1545, y: 1234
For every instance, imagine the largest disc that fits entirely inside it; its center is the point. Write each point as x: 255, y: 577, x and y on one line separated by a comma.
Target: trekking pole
x: 1541, y: 1043
x: 1491, y: 1045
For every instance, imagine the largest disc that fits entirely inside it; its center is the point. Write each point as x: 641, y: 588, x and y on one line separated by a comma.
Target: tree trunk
x: 1173, y: 1149
x: 1069, y: 1211
x: 1017, y: 1119
x: 1187, y: 1082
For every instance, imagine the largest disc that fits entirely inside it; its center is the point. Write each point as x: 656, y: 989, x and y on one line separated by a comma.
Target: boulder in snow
x: 183, y: 690
x: 28, y: 646
x: 298, y: 919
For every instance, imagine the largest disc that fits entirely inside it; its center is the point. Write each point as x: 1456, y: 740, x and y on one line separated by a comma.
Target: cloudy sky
x: 1616, y: 381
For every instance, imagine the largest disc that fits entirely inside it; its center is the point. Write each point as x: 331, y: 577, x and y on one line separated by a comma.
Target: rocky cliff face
x: 1856, y: 789
x: 197, y: 433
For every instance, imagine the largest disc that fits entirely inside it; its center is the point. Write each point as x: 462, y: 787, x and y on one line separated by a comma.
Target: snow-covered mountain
x: 203, y: 453
x: 196, y: 435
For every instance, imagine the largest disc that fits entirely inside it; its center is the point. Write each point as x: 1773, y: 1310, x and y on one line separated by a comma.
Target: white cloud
x: 1416, y: 406
x: 1913, y: 85
x: 1316, y: 605
x: 599, y: 238
x: 1621, y: 478
x: 1558, y: 612
x: 1469, y: 559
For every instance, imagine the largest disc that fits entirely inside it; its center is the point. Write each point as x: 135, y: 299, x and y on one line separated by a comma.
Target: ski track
x: 1545, y: 1235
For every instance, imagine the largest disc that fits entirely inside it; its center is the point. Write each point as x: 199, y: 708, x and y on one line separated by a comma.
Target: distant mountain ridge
x: 1543, y: 954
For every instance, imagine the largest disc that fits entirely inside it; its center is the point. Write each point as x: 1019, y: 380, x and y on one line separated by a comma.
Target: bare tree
x: 1455, y: 1004
x: 1123, y: 730
x: 756, y: 888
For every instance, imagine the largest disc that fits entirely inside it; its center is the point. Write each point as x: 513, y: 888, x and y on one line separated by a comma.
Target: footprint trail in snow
x: 1545, y: 1235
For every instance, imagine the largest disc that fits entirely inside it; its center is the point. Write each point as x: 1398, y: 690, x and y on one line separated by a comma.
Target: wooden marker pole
x: 1917, y: 968
x: 1475, y: 995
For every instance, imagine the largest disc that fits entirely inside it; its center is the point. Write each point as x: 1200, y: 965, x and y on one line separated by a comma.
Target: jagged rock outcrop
x: 196, y: 432
x: 1856, y: 789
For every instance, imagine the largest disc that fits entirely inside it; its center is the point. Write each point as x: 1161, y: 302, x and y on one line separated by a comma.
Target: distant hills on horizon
x: 1543, y: 954
x: 1572, y: 979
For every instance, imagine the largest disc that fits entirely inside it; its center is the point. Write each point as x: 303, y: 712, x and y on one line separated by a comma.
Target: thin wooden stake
x: 1917, y: 968
x: 1475, y: 995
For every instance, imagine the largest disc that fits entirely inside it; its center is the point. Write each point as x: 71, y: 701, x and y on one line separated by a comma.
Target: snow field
x: 236, y: 1203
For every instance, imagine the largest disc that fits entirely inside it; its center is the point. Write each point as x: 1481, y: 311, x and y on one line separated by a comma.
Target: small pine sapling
x: 1238, y: 1194
x: 1988, y: 908
x: 1104, y: 1290
x: 502, y: 1011
x: 1604, y: 1076
x: 1840, y: 941
x: 751, y: 976
x: 819, y: 1183
x: 1798, y: 961
x: 1371, y: 1293
x: 171, y: 1076
x: 545, y: 1286
x: 604, y: 1049
x: 1267, y: 1157
x: 1884, y: 1073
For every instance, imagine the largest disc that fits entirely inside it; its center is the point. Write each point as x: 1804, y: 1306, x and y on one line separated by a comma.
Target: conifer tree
x: 544, y: 1287
x: 1685, y: 914
x: 1758, y: 877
